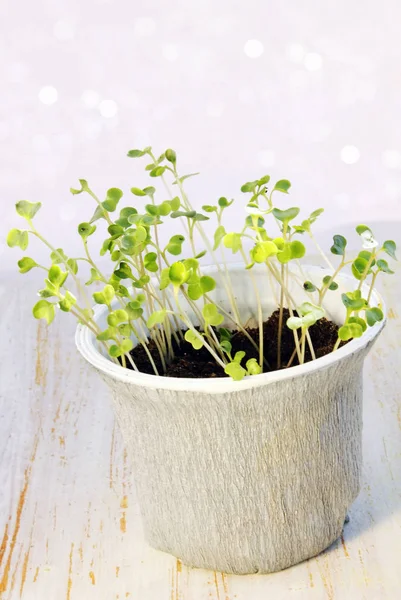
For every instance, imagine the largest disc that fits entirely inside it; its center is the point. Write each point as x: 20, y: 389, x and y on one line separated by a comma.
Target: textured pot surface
x: 251, y: 478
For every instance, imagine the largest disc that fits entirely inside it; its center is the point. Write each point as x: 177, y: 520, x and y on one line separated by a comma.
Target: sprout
x: 163, y: 285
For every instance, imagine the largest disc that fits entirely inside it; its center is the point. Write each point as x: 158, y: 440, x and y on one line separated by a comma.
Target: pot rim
x: 84, y: 340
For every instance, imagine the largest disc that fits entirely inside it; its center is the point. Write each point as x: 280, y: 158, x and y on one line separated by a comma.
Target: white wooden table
x: 70, y: 527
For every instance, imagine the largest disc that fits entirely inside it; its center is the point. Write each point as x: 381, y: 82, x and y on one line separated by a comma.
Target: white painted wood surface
x: 69, y: 522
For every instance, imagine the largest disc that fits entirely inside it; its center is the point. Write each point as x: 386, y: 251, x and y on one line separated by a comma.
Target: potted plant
x: 237, y: 387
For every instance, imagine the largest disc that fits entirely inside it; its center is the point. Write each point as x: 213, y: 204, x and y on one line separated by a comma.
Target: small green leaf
x: 175, y: 203
x: 114, y: 351
x: 297, y: 249
x: 362, y: 228
x: 207, y: 284
x: 126, y: 346
x: 164, y: 279
x: 264, y: 180
x: 44, y: 310
x: 113, y: 197
x: 307, y: 308
x: 156, y: 318
x: 141, y: 282
x: 98, y: 214
x: 171, y: 156
x: 250, y: 186
x: 316, y: 213
x: 56, y: 276
x: 116, y: 317
x: 124, y: 271
x: 107, y: 334
x: 125, y: 213
x: 209, y: 209
x: 285, y: 255
x: 262, y: 251
x: 178, y: 274
x: 286, y: 215
x: 84, y: 187
x: 157, y: 172
x: 124, y: 330
x: 390, y: 247
x: 233, y: 241
x: 374, y: 315
x: 194, y: 339
x: 339, y: 245
x: 218, y: 236
x: 226, y: 346
x: 367, y: 256
x: 294, y: 323
x: 383, y: 266
x: 333, y: 285
x: 239, y: 356
x: 26, y: 209
x: 184, y: 177
x: 189, y: 214
x: 58, y: 256
x: 17, y: 237
x: 73, y: 265
x: 194, y: 291
x: 150, y: 262
x: 135, y: 153
x: 253, y: 367
x: 282, y: 186
x: 149, y: 190
x: 225, y: 334
x: 46, y: 293
x: 224, y: 203
x: 95, y: 276
x: 309, y: 286
x: 115, y: 231
x: 67, y: 302
x: 174, y: 246
x: 137, y: 191
x: 86, y: 229
x: 164, y: 209
x: 211, y: 315
x: 105, y: 296
x: 353, y: 300
x: 235, y: 371
x: 26, y: 264
x: 359, y: 267
x: 359, y: 321
x: 350, y: 331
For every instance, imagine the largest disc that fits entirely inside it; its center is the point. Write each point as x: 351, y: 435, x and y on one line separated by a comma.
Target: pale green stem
x: 372, y: 285
x: 321, y: 252
x: 145, y: 347
x: 226, y: 283
x: 303, y: 346
x: 366, y: 271
x: 185, y: 319
x: 260, y: 312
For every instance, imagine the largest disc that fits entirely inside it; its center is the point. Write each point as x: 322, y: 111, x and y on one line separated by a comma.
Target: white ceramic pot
x: 250, y: 476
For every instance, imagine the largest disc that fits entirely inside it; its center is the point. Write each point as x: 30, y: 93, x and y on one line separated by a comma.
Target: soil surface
x: 200, y: 364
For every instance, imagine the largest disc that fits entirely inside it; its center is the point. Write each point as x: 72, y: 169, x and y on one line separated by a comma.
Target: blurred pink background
x: 309, y: 91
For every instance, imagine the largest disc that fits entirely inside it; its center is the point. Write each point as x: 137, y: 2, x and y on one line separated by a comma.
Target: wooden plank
x: 69, y: 522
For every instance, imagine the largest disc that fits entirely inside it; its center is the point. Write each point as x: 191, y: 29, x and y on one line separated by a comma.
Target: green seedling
x: 156, y: 285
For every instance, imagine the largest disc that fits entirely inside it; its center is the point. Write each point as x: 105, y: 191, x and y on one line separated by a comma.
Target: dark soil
x: 200, y: 364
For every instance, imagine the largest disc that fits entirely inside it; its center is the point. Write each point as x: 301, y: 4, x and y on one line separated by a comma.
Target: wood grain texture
x: 70, y: 527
